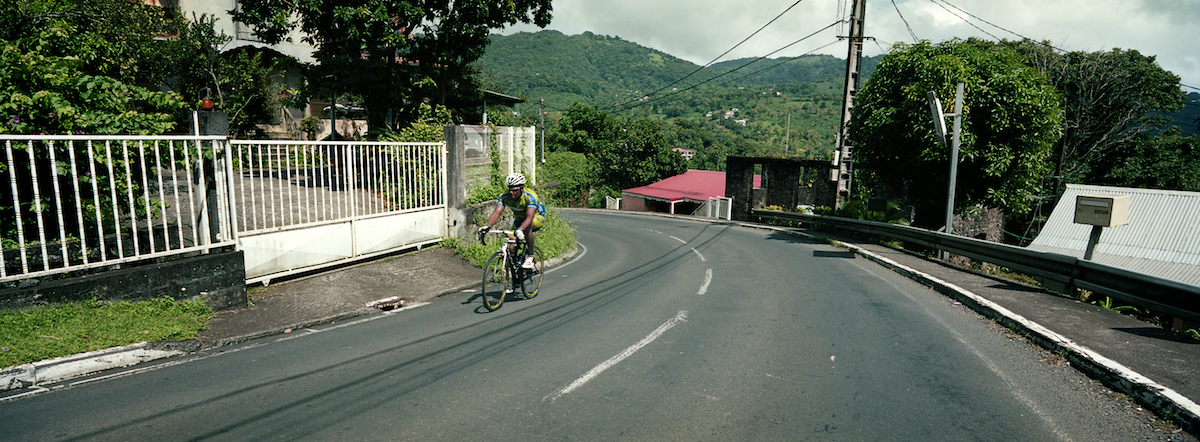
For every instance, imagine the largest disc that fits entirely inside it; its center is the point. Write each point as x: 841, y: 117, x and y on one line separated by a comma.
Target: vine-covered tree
x: 90, y: 66
x: 1012, y: 118
x: 395, y: 54
x: 1109, y: 99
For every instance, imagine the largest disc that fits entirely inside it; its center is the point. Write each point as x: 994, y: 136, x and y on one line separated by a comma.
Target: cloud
x: 698, y: 31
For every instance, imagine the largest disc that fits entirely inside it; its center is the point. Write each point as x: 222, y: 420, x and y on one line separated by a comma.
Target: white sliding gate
x: 300, y: 206
x: 70, y: 203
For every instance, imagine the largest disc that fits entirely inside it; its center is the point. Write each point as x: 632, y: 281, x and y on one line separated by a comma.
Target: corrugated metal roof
x: 694, y: 185
x: 1162, y: 238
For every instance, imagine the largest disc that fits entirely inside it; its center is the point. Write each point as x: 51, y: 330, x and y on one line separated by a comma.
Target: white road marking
x: 572, y: 261
x: 591, y: 374
x: 677, y: 239
x: 698, y: 254
x: 707, y: 280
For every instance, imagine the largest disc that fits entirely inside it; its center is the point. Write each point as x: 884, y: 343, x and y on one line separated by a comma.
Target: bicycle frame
x: 507, y: 272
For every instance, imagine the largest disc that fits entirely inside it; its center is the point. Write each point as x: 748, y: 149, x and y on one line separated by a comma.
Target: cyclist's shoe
x: 508, y: 291
x: 528, y: 264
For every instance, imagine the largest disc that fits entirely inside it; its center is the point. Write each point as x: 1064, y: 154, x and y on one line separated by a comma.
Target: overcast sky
x: 701, y: 30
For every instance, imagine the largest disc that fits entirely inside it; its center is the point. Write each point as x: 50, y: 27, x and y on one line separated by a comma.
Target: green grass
x: 556, y: 238
x: 48, y: 332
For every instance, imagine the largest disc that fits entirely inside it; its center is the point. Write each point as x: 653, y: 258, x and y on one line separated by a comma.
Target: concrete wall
x: 217, y: 278
x: 785, y: 183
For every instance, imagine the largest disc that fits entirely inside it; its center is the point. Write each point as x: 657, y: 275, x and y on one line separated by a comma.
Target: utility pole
x: 843, y: 156
x: 542, y: 123
x: 787, y: 139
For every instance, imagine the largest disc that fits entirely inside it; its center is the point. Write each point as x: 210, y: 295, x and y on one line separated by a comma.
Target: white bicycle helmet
x: 515, y: 179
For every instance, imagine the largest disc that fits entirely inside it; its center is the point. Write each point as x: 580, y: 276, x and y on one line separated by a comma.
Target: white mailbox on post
x: 1102, y: 210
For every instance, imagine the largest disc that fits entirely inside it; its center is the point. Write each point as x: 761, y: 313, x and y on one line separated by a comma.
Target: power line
x: 655, y: 100
x: 1006, y: 30
x: 785, y: 11
x: 990, y: 24
x: 910, y: 30
x: 780, y: 63
x: 967, y: 21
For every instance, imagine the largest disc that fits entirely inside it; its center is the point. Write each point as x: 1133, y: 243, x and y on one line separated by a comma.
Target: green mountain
x: 603, y: 70
x: 781, y: 107
x: 588, y: 68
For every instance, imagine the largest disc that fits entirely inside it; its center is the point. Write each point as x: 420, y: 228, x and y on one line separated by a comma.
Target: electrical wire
x: 968, y: 21
x: 906, y: 25
x: 785, y: 11
x: 936, y: 2
x: 655, y: 100
x: 778, y: 64
x: 939, y: 3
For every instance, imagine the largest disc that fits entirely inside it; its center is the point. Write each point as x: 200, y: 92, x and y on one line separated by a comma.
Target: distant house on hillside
x: 680, y: 194
x: 687, y: 153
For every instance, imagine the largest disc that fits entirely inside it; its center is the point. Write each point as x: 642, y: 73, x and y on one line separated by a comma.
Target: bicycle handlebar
x: 505, y: 232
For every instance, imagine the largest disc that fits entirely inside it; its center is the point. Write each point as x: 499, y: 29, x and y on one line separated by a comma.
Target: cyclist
x: 528, y: 213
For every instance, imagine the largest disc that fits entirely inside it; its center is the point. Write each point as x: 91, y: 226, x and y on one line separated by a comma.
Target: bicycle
x: 504, y: 274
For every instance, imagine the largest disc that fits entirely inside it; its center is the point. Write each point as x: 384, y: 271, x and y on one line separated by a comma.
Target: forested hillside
x: 770, y: 107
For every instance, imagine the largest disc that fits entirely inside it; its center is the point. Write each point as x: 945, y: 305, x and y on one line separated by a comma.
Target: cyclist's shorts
x: 537, y: 222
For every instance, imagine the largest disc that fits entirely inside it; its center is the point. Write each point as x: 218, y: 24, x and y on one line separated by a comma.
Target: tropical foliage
x: 619, y: 153
x: 1011, y: 120
x: 395, y: 54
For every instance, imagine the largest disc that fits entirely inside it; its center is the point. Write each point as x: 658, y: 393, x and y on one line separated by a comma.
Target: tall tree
x: 621, y: 153
x: 1012, y: 119
x: 1154, y: 162
x: 394, y: 53
x: 1108, y: 98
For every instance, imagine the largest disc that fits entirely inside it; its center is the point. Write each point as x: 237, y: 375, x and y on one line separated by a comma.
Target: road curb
x: 67, y: 367
x: 73, y: 366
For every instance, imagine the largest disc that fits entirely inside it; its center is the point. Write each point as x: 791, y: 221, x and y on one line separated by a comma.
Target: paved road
x: 662, y: 329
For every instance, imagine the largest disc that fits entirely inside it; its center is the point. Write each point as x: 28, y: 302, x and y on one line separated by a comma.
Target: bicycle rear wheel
x: 495, y: 282
x: 532, y: 279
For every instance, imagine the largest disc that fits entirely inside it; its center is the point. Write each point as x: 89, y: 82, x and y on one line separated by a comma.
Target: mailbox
x: 1102, y: 210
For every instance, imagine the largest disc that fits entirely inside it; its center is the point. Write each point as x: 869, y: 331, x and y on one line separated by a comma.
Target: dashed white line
x: 591, y: 374
x: 698, y: 254
x: 677, y: 239
x: 707, y: 280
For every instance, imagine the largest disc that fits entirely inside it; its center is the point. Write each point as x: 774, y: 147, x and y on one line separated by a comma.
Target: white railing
x: 69, y: 203
x: 716, y: 207
x: 299, y: 206
x: 284, y: 184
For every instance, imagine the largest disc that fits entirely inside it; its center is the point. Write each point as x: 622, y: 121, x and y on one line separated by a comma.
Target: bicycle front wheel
x: 532, y: 278
x: 495, y: 282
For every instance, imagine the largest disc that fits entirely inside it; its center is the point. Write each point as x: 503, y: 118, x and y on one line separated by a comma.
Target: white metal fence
x: 300, y: 205
x: 69, y: 203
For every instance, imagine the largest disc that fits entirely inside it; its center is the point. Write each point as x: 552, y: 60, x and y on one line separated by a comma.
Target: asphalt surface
x: 1160, y: 369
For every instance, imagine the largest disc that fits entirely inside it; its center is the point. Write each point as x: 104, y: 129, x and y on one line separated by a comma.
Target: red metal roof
x: 693, y: 185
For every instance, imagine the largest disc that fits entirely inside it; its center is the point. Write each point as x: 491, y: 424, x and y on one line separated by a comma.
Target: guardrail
x: 1152, y: 293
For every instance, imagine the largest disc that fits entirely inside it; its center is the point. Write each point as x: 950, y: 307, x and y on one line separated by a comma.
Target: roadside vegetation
x: 557, y: 237
x: 36, y: 334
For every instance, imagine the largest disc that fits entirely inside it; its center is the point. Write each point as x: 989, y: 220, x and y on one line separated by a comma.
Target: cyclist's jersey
x: 528, y: 199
